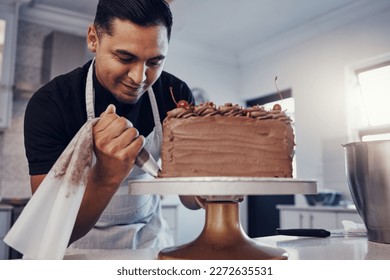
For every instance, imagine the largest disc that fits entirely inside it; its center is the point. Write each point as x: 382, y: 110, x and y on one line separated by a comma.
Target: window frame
x: 358, y: 128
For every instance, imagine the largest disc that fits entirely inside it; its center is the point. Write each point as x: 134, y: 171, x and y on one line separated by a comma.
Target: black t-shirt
x: 57, y: 111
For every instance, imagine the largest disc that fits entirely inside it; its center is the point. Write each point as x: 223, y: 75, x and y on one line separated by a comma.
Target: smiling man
x: 124, y: 83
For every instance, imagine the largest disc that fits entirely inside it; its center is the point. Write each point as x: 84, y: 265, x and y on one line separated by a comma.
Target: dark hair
x: 142, y: 12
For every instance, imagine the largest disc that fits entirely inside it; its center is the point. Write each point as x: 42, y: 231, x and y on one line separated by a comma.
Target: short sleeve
x: 44, y: 135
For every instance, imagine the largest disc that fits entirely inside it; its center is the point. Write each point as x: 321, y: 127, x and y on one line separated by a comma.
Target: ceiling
x: 236, y: 26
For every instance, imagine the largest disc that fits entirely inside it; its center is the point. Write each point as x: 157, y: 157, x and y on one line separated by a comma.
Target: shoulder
x: 59, y: 104
x: 53, y: 116
x: 64, y: 93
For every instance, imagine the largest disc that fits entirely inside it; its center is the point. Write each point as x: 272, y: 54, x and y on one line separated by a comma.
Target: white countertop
x: 5, y: 207
x: 330, y: 248
x: 298, y: 248
x: 349, y: 208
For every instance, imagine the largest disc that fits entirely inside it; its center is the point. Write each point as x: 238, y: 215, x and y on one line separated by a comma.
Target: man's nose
x: 138, y: 73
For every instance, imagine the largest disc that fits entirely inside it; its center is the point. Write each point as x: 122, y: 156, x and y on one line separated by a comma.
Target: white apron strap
x: 90, y: 93
x: 156, y: 114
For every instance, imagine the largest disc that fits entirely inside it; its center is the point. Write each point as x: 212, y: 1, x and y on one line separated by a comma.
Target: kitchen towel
x: 43, y: 229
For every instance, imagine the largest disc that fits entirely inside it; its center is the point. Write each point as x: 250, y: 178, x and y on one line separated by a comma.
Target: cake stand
x: 222, y: 236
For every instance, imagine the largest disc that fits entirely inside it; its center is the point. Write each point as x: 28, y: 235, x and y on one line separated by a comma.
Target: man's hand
x: 117, y: 144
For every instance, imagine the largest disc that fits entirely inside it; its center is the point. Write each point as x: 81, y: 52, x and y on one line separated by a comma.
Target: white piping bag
x: 43, y: 229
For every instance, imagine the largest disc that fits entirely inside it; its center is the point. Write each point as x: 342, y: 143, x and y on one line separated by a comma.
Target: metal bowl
x: 368, y: 173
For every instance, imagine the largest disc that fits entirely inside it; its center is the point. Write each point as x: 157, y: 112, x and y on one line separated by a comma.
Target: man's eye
x: 154, y: 63
x: 126, y: 59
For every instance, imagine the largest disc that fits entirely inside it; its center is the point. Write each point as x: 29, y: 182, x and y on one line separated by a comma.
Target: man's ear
x: 92, y: 38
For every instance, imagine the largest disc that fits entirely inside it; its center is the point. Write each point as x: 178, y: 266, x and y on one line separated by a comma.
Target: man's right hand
x: 116, y: 144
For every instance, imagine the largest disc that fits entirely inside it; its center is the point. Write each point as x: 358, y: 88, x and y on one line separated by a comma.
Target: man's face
x: 129, y: 61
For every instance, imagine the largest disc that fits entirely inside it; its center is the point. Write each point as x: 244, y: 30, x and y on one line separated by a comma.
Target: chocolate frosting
x: 228, y: 140
x: 228, y: 110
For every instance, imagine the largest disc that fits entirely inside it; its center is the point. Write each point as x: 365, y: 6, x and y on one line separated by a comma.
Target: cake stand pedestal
x: 222, y: 236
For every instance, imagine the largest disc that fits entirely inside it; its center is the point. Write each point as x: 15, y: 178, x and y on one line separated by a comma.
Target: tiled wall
x: 14, y: 178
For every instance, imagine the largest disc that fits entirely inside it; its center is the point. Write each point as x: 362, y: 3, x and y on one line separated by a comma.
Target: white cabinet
x: 170, y: 206
x: 306, y: 219
x: 316, y: 217
x: 184, y: 223
x: 170, y: 215
x: 5, y: 221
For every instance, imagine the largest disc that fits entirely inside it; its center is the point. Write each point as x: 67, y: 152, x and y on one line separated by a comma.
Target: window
x: 8, y: 33
x: 367, y: 99
x: 374, y: 90
x: 2, y: 39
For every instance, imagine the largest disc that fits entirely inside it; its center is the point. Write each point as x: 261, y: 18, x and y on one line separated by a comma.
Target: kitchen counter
x: 319, y: 208
x: 298, y: 248
x: 5, y: 207
x: 330, y: 248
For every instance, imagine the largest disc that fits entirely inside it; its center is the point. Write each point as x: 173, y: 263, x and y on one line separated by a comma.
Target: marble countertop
x: 298, y: 248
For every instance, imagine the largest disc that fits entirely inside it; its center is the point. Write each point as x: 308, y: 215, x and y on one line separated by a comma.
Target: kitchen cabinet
x: 169, y: 207
x: 5, y: 221
x: 326, y: 217
x: 185, y: 224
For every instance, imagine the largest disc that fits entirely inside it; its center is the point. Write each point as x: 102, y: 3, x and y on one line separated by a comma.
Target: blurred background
x: 331, y: 58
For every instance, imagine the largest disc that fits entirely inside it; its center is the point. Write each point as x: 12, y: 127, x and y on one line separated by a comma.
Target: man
x: 125, y: 82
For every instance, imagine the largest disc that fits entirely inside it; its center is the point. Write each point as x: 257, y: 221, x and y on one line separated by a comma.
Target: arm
x: 116, y: 146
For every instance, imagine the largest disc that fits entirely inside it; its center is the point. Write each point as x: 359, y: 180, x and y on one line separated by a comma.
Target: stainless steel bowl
x: 368, y: 174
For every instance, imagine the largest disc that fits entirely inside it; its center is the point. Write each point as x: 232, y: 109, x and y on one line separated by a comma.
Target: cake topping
x: 185, y: 110
x: 180, y: 113
x: 182, y: 103
x: 277, y: 107
x: 228, y: 110
x: 231, y: 110
x: 258, y: 112
x: 206, y: 109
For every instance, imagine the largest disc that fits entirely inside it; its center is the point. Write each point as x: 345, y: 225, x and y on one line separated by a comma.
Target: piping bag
x: 146, y: 162
x: 43, y: 229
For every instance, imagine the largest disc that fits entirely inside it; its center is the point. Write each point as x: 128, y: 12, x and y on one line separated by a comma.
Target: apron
x: 129, y: 221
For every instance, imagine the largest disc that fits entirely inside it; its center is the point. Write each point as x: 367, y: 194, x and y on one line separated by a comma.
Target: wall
x: 316, y: 72
x: 14, y: 178
x: 216, y: 74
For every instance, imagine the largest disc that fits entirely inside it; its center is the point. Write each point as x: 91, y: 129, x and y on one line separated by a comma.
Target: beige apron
x: 129, y: 221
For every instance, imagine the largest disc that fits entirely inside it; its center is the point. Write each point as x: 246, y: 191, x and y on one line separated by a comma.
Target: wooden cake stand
x: 222, y: 236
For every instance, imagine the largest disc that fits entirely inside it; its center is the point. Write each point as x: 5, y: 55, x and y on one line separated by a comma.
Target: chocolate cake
x: 228, y: 140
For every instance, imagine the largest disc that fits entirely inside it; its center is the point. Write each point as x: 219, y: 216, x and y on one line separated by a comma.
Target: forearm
x: 98, y: 194
x: 116, y: 145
